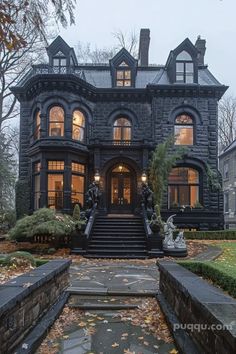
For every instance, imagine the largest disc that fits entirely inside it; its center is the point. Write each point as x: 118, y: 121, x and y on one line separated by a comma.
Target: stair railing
x: 148, y: 231
x: 90, y: 223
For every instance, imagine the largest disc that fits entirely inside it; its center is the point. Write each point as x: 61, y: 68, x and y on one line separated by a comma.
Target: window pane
x: 179, y: 78
x: 119, y: 83
x: 78, y: 133
x: 179, y: 67
x: 77, y: 167
x: 189, y: 78
x: 126, y: 134
x: 63, y: 62
x: 56, y: 114
x: 127, y: 74
x: 184, y: 195
x: 36, y: 191
x: 78, y: 118
x: 56, y: 129
x: 126, y: 191
x: 116, y: 133
x: 183, y: 135
x: 77, y: 190
x: 120, y: 74
x: 55, y: 62
x: 127, y: 83
x: 184, y: 119
x: 120, y: 168
x: 37, y: 167
x: 184, y: 56
x: 56, y: 165
x: 55, y: 191
x: 173, y: 196
x: 183, y: 175
x: 194, y: 195
x: 189, y: 67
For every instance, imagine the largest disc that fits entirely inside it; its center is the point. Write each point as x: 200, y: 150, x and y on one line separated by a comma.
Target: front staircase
x: 121, y: 236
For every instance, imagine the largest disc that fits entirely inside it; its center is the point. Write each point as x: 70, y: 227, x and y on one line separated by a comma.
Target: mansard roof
x: 100, y: 76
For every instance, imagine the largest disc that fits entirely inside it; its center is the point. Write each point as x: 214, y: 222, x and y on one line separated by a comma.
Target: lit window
x: 77, y: 190
x: 184, y: 68
x: 55, y: 191
x: 183, y: 187
x: 56, y: 121
x: 78, y: 126
x: 123, y: 78
x: 183, y: 130
x: 56, y: 165
x: 37, y: 125
x: 122, y: 131
x: 36, y: 184
x: 77, y: 184
x: 77, y: 167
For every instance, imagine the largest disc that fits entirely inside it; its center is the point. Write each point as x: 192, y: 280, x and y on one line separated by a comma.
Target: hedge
x: 210, y: 235
x: 210, y: 271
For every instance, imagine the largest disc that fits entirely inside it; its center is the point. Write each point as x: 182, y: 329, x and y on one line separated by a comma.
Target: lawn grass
x: 221, y: 271
x: 227, y: 261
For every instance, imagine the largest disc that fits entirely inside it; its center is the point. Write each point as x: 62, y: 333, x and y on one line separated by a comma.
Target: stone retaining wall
x: 198, y: 304
x: 25, y: 299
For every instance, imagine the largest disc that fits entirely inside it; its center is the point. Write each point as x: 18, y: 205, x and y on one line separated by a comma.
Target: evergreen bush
x: 43, y: 222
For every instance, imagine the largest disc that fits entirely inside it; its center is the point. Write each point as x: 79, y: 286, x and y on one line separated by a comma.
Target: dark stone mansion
x: 80, y: 122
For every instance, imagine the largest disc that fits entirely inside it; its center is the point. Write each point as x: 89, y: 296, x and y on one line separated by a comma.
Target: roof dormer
x: 123, y: 69
x: 182, y: 65
x: 61, y: 56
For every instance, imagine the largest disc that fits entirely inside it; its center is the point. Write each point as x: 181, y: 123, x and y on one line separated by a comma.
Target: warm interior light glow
x: 97, y: 177
x: 144, y: 177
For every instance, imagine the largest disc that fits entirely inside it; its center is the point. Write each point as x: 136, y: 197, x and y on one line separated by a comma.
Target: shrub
x: 43, y: 222
x: 210, y: 271
x: 20, y: 258
x: 210, y: 235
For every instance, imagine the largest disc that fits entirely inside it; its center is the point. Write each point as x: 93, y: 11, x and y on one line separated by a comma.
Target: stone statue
x: 147, y: 199
x: 180, y: 241
x: 169, y: 228
x: 92, y: 195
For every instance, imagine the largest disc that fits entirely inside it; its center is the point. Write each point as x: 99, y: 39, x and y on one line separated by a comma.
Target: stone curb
x: 37, y: 334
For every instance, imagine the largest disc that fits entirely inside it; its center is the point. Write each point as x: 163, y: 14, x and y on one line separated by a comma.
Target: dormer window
x: 59, y: 63
x: 184, y: 68
x: 123, y: 75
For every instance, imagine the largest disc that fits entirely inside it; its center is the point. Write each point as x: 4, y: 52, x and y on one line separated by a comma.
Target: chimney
x: 201, y: 48
x: 144, y: 41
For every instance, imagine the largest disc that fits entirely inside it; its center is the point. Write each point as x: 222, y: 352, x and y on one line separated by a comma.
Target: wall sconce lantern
x: 144, y: 177
x: 97, y: 177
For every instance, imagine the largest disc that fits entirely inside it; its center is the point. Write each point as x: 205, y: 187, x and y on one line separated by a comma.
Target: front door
x: 121, y: 190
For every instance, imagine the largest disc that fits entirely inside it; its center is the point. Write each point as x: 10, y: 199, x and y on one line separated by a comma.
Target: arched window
x: 184, y: 68
x: 56, y: 121
x: 183, y: 130
x: 37, y: 125
x: 183, y: 187
x: 78, y: 128
x: 122, y: 131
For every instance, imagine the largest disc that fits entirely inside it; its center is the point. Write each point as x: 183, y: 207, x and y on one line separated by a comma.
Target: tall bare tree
x: 128, y: 41
x: 227, y: 121
x: 8, y: 167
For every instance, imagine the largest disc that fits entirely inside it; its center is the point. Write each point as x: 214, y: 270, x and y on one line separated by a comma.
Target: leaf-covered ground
x: 153, y: 330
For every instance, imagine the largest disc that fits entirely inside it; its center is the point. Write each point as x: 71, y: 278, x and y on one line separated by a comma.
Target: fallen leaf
x: 115, y: 345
